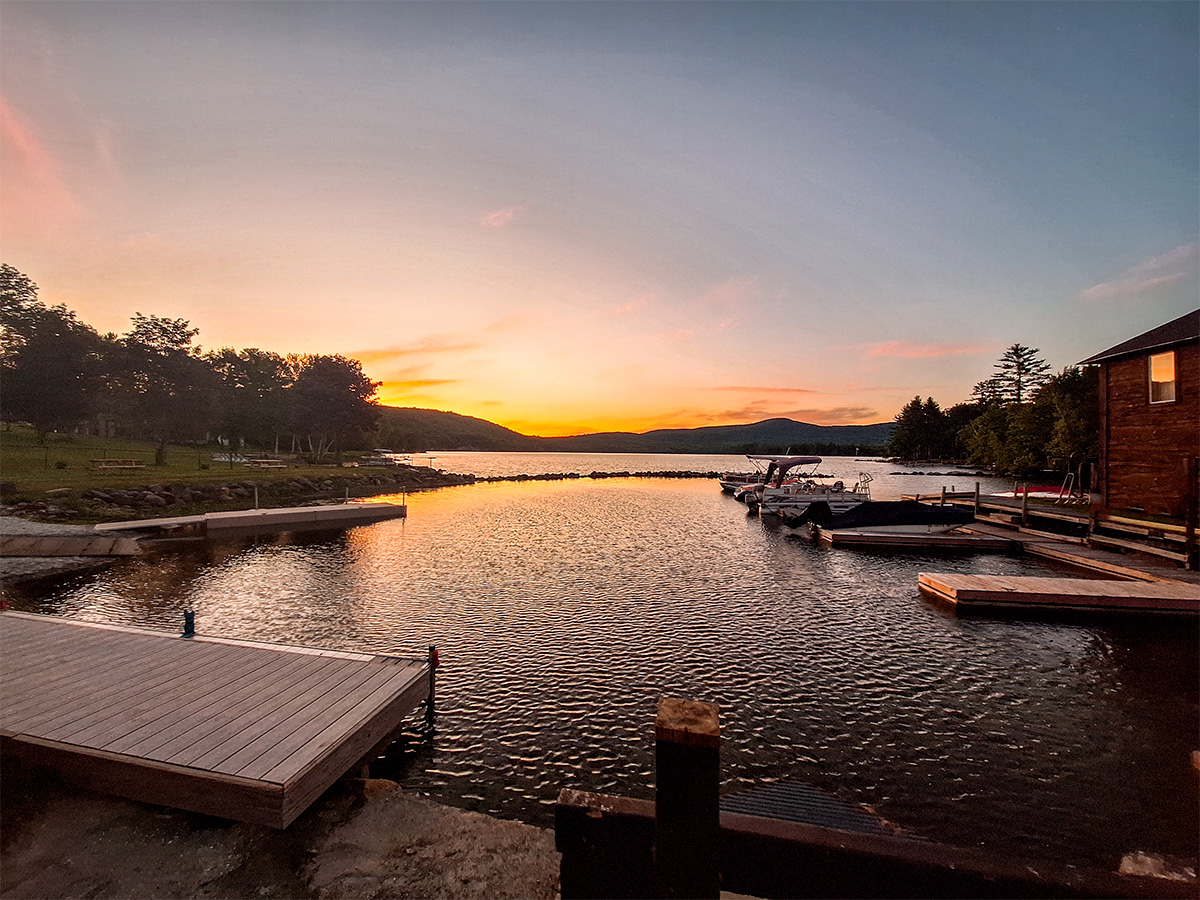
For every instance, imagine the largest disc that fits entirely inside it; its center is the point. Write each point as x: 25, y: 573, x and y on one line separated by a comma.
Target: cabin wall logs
x: 1146, y: 446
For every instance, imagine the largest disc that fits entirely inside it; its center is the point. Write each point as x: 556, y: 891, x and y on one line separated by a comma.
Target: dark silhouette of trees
x: 253, y: 399
x: 1021, y: 420
x: 1020, y: 373
x: 155, y: 383
x: 51, y: 361
x: 332, y: 397
x: 170, y: 394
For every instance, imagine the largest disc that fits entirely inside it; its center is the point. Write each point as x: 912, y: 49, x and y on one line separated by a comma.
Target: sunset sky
x: 581, y: 217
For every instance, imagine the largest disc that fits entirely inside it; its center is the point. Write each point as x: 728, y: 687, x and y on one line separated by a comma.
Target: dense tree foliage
x: 331, y: 398
x: 155, y: 383
x: 1021, y: 420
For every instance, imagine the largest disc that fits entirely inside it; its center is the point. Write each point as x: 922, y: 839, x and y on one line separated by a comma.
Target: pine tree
x: 1020, y: 373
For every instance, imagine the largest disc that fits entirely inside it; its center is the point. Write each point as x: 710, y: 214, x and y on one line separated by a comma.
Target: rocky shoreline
x: 181, y: 498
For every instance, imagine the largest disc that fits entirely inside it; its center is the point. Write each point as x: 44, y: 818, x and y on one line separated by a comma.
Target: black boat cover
x: 879, y: 513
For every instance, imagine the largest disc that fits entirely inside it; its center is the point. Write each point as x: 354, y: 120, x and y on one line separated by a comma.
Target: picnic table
x: 265, y: 464
x: 117, y: 464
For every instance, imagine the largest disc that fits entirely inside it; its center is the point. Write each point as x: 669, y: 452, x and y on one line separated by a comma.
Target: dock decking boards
x: 245, y: 731
x: 920, y: 542
x: 1031, y: 592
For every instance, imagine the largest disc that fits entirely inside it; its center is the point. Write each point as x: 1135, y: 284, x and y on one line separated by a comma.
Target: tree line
x: 155, y: 383
x: 1022, y: 420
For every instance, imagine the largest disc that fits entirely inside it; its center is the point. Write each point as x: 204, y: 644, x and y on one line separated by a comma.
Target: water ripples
x: 564, y: 610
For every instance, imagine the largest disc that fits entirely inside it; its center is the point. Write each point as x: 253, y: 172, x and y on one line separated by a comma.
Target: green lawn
x: 66, y: 461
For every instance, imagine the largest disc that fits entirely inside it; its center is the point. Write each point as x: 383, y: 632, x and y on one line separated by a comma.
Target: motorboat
x: 788, y: 487
x: 881, y: 517
x: 731, y: 482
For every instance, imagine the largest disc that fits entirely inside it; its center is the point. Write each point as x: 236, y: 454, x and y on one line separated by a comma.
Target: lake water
x: 564, y: 609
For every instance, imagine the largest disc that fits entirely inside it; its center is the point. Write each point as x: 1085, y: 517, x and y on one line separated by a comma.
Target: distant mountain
x: 768, y: 436
x: 408, y: 428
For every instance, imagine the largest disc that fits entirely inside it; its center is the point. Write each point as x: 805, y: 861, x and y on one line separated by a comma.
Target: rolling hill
x: 409, y: 429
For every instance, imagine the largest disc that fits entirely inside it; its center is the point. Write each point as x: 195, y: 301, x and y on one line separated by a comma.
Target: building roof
x: 1178, y: 331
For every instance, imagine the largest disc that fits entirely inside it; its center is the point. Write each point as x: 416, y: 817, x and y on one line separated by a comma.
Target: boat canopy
x: 781, y: 464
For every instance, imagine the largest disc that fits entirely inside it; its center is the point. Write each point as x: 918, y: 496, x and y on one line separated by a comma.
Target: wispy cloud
x: 432, y: 345
x: 730, y: 302
x: 413, y: 383
x: 1146, y: 275
x: 744, y: 389
x: 500, y: 217
x: 736, y: 293
x: 33, y: 186
x: 633, y: 305
x: 910, y: 350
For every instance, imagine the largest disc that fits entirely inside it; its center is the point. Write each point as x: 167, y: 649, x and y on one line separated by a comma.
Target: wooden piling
x: 687, y: 817
x: 429, y: 701
x: 977, y: 499
x: 1191, y: 477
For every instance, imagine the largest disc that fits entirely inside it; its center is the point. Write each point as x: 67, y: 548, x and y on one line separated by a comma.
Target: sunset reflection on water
x: 564, y: 610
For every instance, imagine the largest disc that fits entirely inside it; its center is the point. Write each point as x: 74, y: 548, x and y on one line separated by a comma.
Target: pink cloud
x: 434, y: 344
x: 1146, y: 275
x: 33, y: 187
x: 909, y: 350
x: 736, y: 293
x: 500, y: 218
x: 765, y: 390
x: 634, y: 305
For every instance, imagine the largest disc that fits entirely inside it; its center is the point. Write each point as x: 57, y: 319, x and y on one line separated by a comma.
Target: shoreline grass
x: 30, y: 467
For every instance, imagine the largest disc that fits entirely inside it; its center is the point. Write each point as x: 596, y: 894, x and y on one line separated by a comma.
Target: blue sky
x: 576, y: 217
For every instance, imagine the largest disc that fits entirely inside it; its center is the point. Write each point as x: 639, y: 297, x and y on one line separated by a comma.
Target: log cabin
x: 1150, y: 422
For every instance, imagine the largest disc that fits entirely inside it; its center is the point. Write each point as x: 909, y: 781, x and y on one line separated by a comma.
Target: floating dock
x: 67, y: 545
x: 965, y: 592
x: 240, y: 730
x: 953, y: 541
x: 265, y: 521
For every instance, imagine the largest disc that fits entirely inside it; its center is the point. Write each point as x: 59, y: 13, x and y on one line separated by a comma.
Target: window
x: 1162, y: 377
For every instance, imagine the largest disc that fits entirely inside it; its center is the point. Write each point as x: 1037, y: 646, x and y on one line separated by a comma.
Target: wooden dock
x: 67, y: 545
x: 265, y: 521
x: 241, y: 730
x: 1076, y: 594
x: 950, y: 541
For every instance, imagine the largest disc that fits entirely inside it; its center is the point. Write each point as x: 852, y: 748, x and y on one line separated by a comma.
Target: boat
x: 778, y: 492
x: 881, y: 517
x: 731, y: 482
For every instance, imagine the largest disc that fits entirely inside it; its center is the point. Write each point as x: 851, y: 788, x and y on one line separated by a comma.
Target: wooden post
x: 1191, y: 474
x: 977, y: 498
x: 943, y: 502
x: 687, y: 812
x: 429, y: 702
x: 1025, y: 506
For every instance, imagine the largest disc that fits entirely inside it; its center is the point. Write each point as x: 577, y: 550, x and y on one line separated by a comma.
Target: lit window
x: 1162, y: 377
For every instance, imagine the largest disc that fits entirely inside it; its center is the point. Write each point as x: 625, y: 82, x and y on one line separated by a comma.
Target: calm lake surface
x: 563, y: 610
